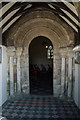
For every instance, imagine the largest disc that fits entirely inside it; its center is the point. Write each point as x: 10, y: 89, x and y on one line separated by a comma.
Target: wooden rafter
x: 59, y: 8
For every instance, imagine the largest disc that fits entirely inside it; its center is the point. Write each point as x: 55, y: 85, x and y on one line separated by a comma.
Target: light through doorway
x: 41, y: 66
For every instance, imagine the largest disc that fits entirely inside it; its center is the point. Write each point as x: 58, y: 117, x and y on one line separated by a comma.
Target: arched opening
x: 41, y: 66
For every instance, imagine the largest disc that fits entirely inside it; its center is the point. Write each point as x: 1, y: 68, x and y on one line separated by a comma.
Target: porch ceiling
x: 12, y: 12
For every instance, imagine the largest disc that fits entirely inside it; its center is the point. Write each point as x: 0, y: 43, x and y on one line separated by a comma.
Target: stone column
x: 68, y: 52
x: 77, y: 80
x: 18, y: 54
x: 25, y: 85
x: 69, y: 77
x: 11, y: 76
x: 56, y: 74
x: 77, y: 85
x: 27, y: 72
x: 11, y: 53
x: 15, y: 74
x: 63, y: 65
x: 3, y: 77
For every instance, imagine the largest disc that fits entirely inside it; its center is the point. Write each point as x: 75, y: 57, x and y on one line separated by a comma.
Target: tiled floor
x: 32, y: 107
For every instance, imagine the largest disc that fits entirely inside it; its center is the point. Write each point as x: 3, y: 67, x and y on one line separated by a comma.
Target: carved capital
x: 19, y: 51
x: 67, y: 52
x: 11, y: 51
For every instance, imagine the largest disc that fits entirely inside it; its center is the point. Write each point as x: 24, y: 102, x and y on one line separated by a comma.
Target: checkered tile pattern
x: 40, y: 107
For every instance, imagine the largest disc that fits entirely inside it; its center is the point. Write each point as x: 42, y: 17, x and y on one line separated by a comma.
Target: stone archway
x: 57, y: 42
x: 41, y: 66
x: 27, y: 29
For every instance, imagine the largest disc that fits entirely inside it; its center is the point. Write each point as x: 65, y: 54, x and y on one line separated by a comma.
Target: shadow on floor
x: 41, y: 84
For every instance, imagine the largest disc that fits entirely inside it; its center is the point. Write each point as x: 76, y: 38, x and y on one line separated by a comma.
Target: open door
x: 41, y: 66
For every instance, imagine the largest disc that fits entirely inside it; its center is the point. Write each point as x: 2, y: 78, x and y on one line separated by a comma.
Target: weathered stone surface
x: 38, y: 20
x: 59, y: 70
x: 34, y: 24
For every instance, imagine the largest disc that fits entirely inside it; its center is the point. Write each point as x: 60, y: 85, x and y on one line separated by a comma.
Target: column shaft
x: 57, y: 74
x: 77, y: 85
x: 11, y: 77
x: 18, y: 75
x: 62, y: 76
x: 69, y: 77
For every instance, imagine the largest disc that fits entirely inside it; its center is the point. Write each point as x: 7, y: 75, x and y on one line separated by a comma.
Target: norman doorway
x: 41, y: 66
